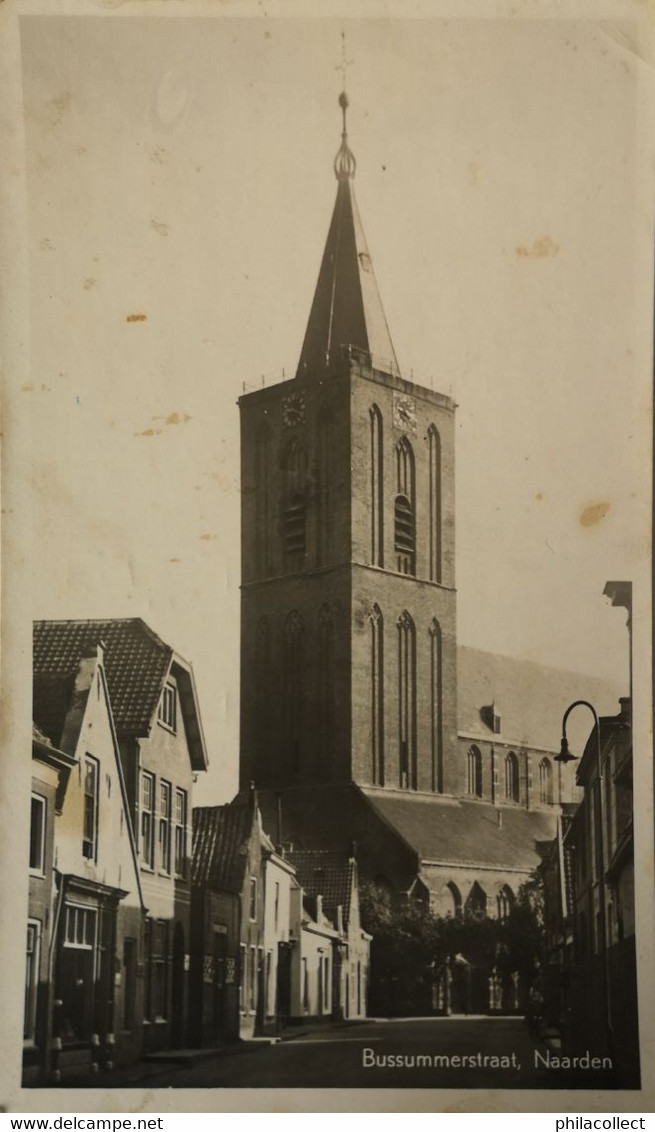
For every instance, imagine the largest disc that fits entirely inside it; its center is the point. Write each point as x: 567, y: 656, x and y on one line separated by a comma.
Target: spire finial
x: 344, y: 162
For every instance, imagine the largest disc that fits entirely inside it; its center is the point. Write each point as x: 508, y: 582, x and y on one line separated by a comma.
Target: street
x: 396, y: 1053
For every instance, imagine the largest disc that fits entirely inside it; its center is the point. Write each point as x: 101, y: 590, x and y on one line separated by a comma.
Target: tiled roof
x: 326, y: 873
x: 136, y: 663
x: 529, y: 697
x: 220, y: 846
x: 466, y: 833
x: 51, y: 695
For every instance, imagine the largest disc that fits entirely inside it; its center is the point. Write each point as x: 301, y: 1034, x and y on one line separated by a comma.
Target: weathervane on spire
x: 344, y: 162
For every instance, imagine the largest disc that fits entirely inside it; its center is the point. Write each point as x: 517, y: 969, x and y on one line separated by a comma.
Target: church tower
x: 348, y: 631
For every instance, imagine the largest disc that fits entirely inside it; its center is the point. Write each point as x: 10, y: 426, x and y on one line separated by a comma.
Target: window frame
x: 167, y: 707
x: 164, y: 826
x: 243, y: 977
x: 87, y: 914
x: 180, y: 818
x: 90, y: 843
x: 252, y: 900
x: 147, y: 859
x: 30, y: 1004
x: 38, y: 869
x: 252, y: 979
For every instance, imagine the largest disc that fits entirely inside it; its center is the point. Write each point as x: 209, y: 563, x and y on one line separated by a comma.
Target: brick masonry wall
x: 271, y: 592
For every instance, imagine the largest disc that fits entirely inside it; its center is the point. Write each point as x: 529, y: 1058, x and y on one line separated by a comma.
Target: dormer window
x: 167, y: 713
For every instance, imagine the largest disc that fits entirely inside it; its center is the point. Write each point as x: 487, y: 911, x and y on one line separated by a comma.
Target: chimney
x: 319, y: 908
x: 252, y: 797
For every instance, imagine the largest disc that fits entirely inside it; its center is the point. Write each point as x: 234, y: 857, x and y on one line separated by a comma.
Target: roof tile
x: 136, y: 664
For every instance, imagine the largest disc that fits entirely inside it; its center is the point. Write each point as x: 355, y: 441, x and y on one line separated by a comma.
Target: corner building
x: 349, y: 649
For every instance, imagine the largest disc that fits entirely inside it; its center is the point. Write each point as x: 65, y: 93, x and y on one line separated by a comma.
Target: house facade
x: 601, y: 1003
x: 330, y: 913
x: 150, y: 726
x: 96, y: 907
x: 228, y: 966
x: 279, y: 940
x: 51, y: 769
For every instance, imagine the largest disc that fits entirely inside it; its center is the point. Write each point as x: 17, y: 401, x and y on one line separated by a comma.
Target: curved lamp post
x: 565, y: 756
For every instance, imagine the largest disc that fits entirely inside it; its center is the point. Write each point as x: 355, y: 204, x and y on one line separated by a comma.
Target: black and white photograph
x: 326, y: 552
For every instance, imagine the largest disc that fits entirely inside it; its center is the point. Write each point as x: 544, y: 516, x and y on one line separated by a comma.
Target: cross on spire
x: 345, y: 63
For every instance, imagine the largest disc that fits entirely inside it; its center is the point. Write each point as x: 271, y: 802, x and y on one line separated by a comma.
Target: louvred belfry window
x: 404, y: 518
x: 294, y: 516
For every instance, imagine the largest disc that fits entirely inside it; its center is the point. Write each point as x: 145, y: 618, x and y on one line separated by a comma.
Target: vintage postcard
x: 327, y: 391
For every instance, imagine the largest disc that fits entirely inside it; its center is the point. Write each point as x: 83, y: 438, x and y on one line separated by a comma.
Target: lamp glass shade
x: 565, y: 755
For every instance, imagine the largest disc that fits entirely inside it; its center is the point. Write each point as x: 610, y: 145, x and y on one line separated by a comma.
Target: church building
x: 349, y: 656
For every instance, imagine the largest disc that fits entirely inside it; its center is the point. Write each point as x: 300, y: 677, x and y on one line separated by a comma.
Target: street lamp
x: 564, y: 757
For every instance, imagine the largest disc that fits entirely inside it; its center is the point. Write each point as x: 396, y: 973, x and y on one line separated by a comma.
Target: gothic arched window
x: 293, y: 675
x: 511, y: 777
x: 505, y: 902
x: 453, y: 900
x: 263, y: 676
x: 407, y: 701
x: 377, y: 695
x: 262, y: 499
x: 474, y: 767
x: 295, y: 479
x: 326, y: 669
x: 436, y: 730
x: 377, y: 487
x: 545, y: 782
x: 324, y: 471
x: 434, y: 502
x: 476, y: 902
x: 404, y: 518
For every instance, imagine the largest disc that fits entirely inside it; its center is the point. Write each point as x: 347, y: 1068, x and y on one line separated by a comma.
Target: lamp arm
x: 575, y: 704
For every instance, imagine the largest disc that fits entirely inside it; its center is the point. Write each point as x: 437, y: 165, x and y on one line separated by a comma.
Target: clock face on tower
x: 404, y: 412
x: 293, y: 410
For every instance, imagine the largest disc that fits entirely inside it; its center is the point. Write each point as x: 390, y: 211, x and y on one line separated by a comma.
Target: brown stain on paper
x: 593, y: 513
x: 149, y: 432
x: 136, y: 318
x: 542, y: 248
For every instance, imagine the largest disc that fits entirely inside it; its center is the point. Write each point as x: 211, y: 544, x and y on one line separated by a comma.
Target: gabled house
x: 333, y: 979
x: 228, y: 991
x: 316, y: 959
x: 94, y: 907
x: 160, y: 740
x: 279, y: 942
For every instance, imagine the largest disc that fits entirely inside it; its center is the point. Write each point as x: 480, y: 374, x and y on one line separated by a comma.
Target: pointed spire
x: 346, y: 313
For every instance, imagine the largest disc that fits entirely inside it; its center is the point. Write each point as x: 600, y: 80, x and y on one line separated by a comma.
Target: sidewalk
x: 160, y: 1064
x: 164, y: 1062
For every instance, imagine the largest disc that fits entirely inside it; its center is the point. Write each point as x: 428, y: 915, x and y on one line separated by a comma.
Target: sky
x: 179, y: 191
